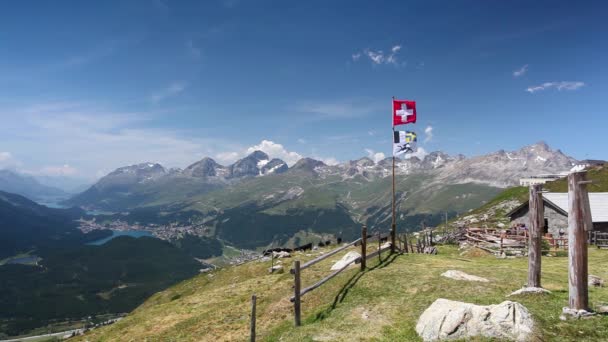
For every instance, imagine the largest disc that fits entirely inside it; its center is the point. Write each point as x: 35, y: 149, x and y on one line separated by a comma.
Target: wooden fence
x: 599, y: 239
x: 298, y: 268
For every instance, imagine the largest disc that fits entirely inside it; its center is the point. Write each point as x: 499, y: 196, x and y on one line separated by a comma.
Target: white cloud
x: 329, y: 160
x: 420, y: 153
x: 379, y: 57
x: 371, y: 133
x: 375, y: 156
x: 428, y: 132
x: 302, y: 141
x: 563, y: 85
x: 228, y: 157
x: 5, y: 156
x: 63, y: 170
x: 94, y: 141
x: 275, y: 150
x: 171, y: 90
x: 7, y: 161
x: 521, y: 71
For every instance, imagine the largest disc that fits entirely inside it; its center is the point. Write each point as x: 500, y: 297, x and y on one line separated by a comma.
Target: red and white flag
x: 404, y: 112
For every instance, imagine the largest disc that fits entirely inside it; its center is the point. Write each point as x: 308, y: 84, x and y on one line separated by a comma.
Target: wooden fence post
x: 363, y: 246
x: 579, y: 222
x: 379, y: 246
x: 296, y: 290
x: 393, y: 235
x: 537, y: 221
x: 406, y: 249
x: 252, y: 327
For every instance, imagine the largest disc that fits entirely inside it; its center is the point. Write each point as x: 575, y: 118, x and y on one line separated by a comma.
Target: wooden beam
x: 324, y: 280
x: 326, y: 255
x: 579, y: 222
x: 378, y: 252
x: 537, y: 222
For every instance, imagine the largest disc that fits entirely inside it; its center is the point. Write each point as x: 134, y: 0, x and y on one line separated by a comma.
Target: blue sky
x: 85, y: 89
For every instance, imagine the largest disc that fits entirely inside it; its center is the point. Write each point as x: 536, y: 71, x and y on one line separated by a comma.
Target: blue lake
x: 117, y: 233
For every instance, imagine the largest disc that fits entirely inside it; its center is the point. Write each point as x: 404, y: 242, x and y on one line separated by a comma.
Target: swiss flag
x: 404, y: 112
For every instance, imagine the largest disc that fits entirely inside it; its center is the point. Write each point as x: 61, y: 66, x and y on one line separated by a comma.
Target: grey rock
x: 459, y: 275
x: 450, y: 320
x: 530, y: 290
x: 346, y: 259
x: 595, y: 281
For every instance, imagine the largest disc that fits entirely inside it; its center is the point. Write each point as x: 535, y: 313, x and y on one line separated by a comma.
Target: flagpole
x: 393, y: 224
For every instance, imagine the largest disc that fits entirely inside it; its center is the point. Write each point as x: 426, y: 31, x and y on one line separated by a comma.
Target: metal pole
x: 394, y: 223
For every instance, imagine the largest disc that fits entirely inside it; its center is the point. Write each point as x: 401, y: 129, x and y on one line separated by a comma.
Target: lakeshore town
x: 170, y: 232
x: 164, y: 232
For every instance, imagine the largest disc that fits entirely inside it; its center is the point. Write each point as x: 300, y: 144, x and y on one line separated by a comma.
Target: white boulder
x: 281, y: 254
x: 459, y: 275
x: 451, y: 320
x: 346, y: 259
x: 530, y: 290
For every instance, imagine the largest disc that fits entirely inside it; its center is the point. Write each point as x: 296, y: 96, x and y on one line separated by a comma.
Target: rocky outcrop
x: 451, y: 320
x: 530, y: 290
x: 346, y: 259
x: 595, y: 281
x: 459, y: 275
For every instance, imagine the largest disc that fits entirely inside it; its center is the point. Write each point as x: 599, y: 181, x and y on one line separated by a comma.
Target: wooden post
x: 296, y: 289
x: 579, y: 222
x: 405, y: 242
x: 393, y: 234
x: 537, y: 221
x: 379, y: 245
x: 431, y: 237
x: 363, y: 246
x: 252, y: 326
x: 411, y: 246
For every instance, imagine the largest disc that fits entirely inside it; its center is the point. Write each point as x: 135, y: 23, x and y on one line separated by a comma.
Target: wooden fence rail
x: 325, y: 256
x: 599, y: 239
x: 297, y: 268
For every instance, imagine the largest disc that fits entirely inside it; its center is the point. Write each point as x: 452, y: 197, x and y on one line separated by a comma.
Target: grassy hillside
x: 381, y: 304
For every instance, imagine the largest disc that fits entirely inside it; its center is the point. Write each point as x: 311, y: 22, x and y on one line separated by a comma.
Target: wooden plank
x: 326, y: 255
x: 578, y: 217
x: 324, y: 280
x: 537, y: 221
x: 296, y: 290
x: 378, y: 252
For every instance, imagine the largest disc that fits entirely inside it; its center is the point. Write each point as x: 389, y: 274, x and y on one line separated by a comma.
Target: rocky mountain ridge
x: 500, y: 168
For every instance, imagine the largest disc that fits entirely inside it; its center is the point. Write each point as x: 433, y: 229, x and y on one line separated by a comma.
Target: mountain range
x: 28, y: 186
x: 259, y: 200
